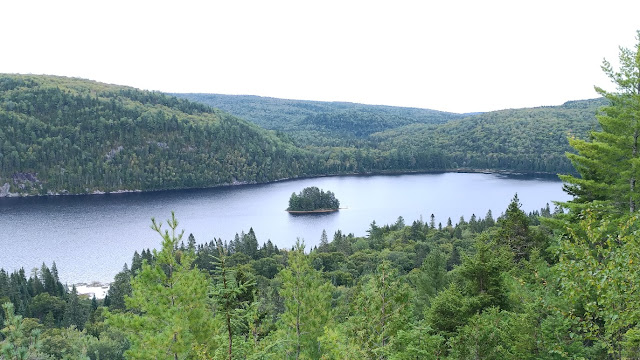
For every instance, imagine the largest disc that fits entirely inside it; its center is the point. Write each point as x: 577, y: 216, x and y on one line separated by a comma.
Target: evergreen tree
x: 60, y: 288
x: 170, y: 316
x: 49, y: 282
x: 19, y: 294
x: 478, y: 285
x: 250, y: 244
x: 488, y: 219
x: 75, y: 314
x: 191, y: 243
x: 147, y: 255
x: 227, y: 294
x: 482, y: 276
x: 120, y: 289
x: 429, y: 279
x: 35, y: 285
x: 307, y: 303
x: 324, y: 242
x: 609, y: 162
x: 514, y: 231
x: 380, y: 310
x: 136, y: 263
x: 94, y: 303
x: 16, y: 344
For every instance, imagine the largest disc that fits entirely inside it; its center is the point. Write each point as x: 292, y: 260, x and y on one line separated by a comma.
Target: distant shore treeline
x: 70, y: 136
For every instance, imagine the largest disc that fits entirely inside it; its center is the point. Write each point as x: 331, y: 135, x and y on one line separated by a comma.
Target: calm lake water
x: 91, y: 237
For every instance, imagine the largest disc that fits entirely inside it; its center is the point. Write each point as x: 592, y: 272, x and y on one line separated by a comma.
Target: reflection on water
x: 91, y: 237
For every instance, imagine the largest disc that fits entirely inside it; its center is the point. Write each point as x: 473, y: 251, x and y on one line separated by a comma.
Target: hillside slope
x: 320, y: 123
x: 63, y: 135
x: 523, y: 140
x: 366, y: 138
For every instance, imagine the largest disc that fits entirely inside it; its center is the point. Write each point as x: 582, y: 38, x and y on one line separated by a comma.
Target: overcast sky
x: 458, y: 56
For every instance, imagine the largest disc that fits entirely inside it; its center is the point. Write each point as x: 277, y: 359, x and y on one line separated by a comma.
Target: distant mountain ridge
x: 306, y: 120
x: 519, y: 140
x: 530, y: 140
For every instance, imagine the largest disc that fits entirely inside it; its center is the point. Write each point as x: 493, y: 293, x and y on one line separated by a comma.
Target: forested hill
x: 61, y: 135
x: 524, y: 140
x: 521, y: 140
x: 319, y: 122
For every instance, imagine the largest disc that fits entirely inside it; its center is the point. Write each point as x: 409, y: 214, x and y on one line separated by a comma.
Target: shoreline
x: 243, y: 183
x: 318, y: 211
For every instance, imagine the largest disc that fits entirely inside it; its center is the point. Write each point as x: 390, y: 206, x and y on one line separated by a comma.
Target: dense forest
x: 559, y: 284
x: 521, y: 140
x: 313, y: 199
x: 240, y: 300
x: 60, y: 135
x: 67, y: 136
x: 320, y: 123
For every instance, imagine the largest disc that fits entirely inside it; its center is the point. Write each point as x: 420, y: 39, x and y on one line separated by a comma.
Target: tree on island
x: 311, y: 199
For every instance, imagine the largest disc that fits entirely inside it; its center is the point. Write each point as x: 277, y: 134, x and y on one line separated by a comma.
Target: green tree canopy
x: 312, y: 198
x: 609, y: 162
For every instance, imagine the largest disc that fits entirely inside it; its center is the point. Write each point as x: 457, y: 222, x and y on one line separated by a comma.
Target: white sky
x: 459, y: 56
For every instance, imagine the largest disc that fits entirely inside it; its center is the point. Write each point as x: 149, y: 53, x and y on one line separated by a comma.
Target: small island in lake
x: 313, y: 200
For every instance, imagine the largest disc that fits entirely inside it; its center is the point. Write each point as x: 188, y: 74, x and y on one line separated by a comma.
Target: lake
x: 90, y: 237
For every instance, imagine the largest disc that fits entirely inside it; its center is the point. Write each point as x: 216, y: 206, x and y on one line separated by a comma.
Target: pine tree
x: 488, y: 219
x: 482, y: 276
x: 136, y: 263
x: 250, y: 244
x: 119, y: 289
x: 50, y: 285
x: 514, y: 231
x: 191, y: 243
x: 307, y: 301
x: 16, y: 344
x: 59, y: 287
x: 433, y: 275
x: 324, y: 242
x: 75, y: 314
x: 380, y: 310
x: 609, y: 162
x: 170, y: 315
x: 35, y: 284
x: 227, y: 292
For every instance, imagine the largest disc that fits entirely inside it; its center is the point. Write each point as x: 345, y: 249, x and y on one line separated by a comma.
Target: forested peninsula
x: 72, y: 136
